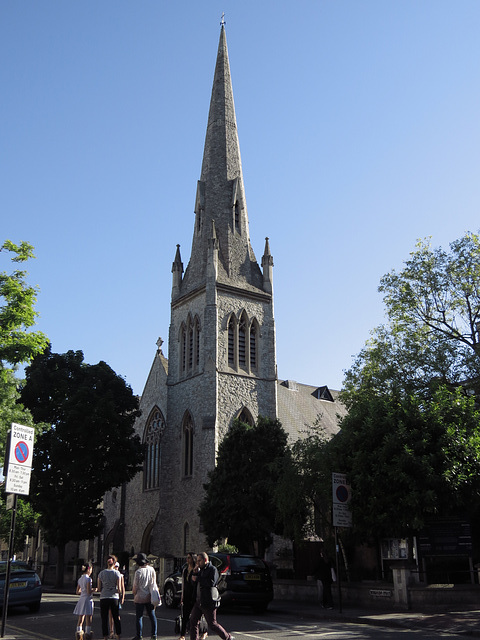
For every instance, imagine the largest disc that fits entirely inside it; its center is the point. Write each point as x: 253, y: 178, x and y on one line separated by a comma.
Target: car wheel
x: 33, y: 608
x: 169, y: 596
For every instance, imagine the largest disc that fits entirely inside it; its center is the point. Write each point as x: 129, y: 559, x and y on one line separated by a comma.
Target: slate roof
x: 300, y: 405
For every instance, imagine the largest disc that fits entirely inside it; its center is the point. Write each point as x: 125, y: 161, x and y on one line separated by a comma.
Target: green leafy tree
x: 88, y: 448
x: 25, y: 522
x: 303, y: 492
x: 409, y: 460
x: 239, y: 502
x: 17, y: 311
x: 410, y: 440
x: 18, y: 345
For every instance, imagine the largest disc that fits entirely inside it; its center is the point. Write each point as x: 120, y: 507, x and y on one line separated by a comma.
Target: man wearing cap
x: 206, y: 577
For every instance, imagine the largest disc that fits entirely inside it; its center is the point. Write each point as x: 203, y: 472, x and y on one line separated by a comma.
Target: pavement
x: 456, y: 621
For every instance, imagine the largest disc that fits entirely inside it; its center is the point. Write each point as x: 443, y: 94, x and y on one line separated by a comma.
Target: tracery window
x: 243, y: 343
x: 187, y: 445
x: 153, y: 449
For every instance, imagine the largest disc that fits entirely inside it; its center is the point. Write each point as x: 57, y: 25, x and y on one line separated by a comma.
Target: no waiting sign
x: 20, y: 459
x: 342, y: 516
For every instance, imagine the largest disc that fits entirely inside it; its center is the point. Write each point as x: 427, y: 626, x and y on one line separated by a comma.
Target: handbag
x: 155, y: 598
x: 178, y: 624
x: 216, y: 597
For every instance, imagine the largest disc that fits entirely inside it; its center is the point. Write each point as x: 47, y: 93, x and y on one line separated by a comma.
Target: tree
x: 239, y: 502
x: 410, y: 442
x: 436, y: 297
x: 88, y: 448
x: 303, y: 492
x: 18, y: 345
x: 17, y: 311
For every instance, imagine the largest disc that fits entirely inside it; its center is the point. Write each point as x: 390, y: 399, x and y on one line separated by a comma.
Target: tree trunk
x: 59, y: 577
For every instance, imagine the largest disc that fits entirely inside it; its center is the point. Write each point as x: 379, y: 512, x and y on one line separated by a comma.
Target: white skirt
x: 84, y: 606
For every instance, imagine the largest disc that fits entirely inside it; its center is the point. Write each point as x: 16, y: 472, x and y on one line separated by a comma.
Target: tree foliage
x: 88, y: 447
x: 17, y: 311
x: 239, y: 502
x: 304, y: 490
x: 410, y: 441
x: 18, y: 345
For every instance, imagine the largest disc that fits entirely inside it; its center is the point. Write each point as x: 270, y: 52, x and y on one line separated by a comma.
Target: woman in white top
x: 84, y: 606
x: 144, y: 578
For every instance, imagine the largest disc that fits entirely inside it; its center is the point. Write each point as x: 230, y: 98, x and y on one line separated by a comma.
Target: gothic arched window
x: 242, y: 342
x: 231, y: 342
x: 183, y: 349
x: 246, y: 417
x: 186, y: 538
x: 253, y: 345
x: 187, y: 445
x: 153, y: 448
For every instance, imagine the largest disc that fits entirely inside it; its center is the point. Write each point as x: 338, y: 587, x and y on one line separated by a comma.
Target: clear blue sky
x: 359, y: 131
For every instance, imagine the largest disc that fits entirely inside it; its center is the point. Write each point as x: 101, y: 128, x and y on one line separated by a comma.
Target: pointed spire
x: 220, y: 196
x: 267, y: 266
x: 222, y: 149
x: 177, y: 270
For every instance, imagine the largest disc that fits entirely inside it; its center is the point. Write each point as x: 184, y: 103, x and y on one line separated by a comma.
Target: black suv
x: 243, y: 580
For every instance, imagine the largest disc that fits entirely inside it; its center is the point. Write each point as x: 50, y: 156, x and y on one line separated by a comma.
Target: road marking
x: 36, y: 636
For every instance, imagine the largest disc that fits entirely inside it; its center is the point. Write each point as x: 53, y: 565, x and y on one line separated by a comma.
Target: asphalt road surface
x: 55, y: 621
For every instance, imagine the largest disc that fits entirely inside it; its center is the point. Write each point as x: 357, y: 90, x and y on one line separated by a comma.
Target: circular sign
x: 21, y: 452
x: 342, y: 493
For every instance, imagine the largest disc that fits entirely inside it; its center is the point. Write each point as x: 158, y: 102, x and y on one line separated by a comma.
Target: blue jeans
x: 139, y: 617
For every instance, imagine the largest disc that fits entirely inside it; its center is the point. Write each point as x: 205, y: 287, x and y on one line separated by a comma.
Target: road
x: 55, y: 621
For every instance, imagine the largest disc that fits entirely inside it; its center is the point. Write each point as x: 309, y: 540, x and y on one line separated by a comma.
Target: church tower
x: 221, y: 349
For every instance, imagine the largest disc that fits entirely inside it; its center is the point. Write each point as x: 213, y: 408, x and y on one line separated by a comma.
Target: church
x: 221, y: 358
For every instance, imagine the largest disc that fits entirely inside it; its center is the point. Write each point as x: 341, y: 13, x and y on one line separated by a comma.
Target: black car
x: 243, y: 580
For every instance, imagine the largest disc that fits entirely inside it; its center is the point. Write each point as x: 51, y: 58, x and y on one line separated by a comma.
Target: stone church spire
x: 220, y: 197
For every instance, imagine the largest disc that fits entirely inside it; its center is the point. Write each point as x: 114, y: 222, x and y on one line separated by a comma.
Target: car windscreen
x: 15, y: 567
x: 247, y: 564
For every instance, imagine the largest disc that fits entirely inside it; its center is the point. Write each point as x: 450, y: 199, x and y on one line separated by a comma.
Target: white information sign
x: 342, y: 516
x: 20, y: 459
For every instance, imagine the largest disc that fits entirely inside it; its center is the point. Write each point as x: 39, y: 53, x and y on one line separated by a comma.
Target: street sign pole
x: 339, y: 581
x: 18, y: 471
x: 6, y: 589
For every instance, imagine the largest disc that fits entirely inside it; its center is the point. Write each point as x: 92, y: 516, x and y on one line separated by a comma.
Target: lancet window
x: 242, y: 337
x: 189, y: 339
x: 153, y: 449
x: 187, y: 445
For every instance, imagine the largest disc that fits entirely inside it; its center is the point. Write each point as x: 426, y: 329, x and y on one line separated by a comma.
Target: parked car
x: 243, y: 580
x: 172, y: 589
x: 25, y: 586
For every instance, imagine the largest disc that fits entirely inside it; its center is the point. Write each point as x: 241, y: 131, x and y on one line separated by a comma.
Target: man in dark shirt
x: 206, y: 577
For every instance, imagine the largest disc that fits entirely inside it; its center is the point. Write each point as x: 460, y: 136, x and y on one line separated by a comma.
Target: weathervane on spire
x: 222, y: 21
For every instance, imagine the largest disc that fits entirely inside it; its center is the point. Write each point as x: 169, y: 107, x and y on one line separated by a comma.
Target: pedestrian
x: 188, y: 592
x: 84, y: 606
x: 143, y: 580
x: 110, y: 617
x: 324, y: 574
x: 206, y: 578
x: 112, y: 595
